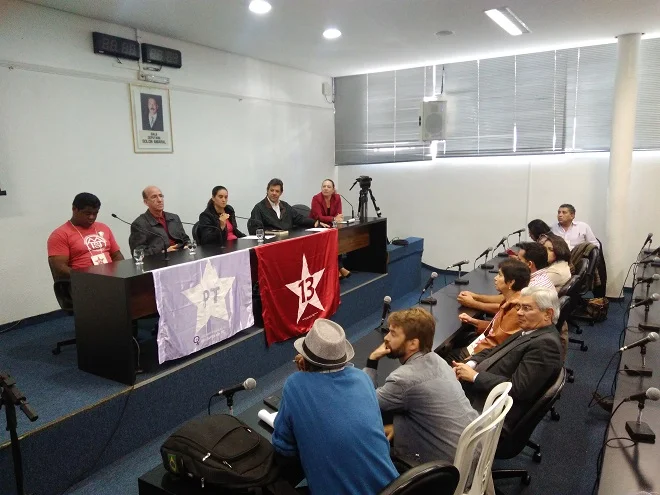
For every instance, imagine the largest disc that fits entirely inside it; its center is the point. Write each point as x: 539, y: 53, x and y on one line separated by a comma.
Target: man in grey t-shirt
x: 429, y: 405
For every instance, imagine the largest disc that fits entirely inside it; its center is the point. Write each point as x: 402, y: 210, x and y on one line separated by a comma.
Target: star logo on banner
x: 305, y: 288
x: 209, y: 296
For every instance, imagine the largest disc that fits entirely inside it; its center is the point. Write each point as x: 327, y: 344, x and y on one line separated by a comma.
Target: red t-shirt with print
x: 80, y: 244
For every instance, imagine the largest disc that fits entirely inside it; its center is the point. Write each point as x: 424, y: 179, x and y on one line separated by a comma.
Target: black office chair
x: 304, y: 210
x: 62, y: 289
x: 579, y: 310
x: 564, y: 311
x: 195, y: 233
x: 513, y: 442
x: 575, y: 293
x: 436, y: 477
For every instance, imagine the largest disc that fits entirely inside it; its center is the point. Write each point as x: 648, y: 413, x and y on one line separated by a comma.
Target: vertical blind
x: 548, y: 102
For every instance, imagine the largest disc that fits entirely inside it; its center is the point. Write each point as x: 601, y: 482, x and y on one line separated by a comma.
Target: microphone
x: 646, y: 302
x: 648, y: 239
x: 638, y: 430
x: 651, y: 393
x: 429, y: 284
x: 649, y: 280
x: 484, y: 265
x: 248, y: 384
x: 519, y: 231
x: 652, y: 337
x: 459, y: 264
x: 502, y: 243
x: 145, y: 231
x: 386, y: 309
x: 351, y: 205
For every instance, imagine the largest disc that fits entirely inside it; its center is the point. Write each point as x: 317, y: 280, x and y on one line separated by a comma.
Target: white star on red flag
x: 305, y: 289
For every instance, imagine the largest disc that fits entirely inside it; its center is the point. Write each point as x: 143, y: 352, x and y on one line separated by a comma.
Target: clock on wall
x: 159, y: 55
x: 115, y: 46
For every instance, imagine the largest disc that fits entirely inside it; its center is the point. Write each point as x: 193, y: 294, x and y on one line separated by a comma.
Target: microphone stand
x: 432, y: 301
x: 638, y: 430
x: 11, y: 397
x: 230, y: 403
x: 648, y: 290
x: 485, y: 265
x: 460, y: 280
x: 643, y: 371
x: 645, y: 326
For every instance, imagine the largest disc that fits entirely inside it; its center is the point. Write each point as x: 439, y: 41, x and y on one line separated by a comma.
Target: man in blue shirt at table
x: 329, y: 419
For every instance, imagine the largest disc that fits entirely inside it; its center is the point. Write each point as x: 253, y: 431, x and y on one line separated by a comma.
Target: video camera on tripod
x: 365, y: 194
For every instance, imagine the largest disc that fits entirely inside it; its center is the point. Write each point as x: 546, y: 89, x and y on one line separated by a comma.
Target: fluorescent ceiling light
x: 331, y: 33
x: 507, y: 20
x: 260, y: 6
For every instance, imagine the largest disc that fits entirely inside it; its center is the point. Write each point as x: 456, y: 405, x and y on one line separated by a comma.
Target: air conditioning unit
x: 433, y: 120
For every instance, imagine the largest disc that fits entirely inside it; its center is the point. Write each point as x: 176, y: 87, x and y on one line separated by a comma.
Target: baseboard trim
x: 32, y: 320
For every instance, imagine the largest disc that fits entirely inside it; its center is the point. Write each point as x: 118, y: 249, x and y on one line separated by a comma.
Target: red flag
x: 298, y: 283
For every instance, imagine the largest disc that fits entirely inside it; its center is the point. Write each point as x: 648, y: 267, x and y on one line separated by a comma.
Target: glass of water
x: 260, y: 235
x: 192, y: 247
x: 138, y: 255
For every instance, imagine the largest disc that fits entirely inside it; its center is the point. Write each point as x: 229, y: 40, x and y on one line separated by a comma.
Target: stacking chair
x: 62, y: 289
x: 195, y: 233
x: 436, y: 477
x: 580, y: 304
x: 564, y: 311
x: 481, y: 438
x: 518, y: 438
x: 575, y: 291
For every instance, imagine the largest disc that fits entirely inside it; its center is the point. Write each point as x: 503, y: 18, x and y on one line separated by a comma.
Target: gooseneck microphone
x: 146, y: 231
x: 460, y: 280
x: 638, y: 430
x: 502, y: 254
x: 519, y: 232
x: 429, y: 285
x: 350, y: 204
x: 649, y: 280
x: 484, y: 265
x: 646, y: 302
x: 248, y: 384
x: 386, y: 309
x: 652, y: 337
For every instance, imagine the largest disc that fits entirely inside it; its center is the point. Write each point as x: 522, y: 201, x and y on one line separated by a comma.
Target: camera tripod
x: 363, y: 201
x: 10, y: 397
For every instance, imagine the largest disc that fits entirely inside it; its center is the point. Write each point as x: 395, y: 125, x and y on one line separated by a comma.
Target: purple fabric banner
x: 202, y: 303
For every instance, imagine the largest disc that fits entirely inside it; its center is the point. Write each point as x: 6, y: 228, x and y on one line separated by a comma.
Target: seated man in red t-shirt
x: 81, y: 241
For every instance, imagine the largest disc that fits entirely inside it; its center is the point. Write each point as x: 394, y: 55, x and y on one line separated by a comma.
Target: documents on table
x: 350, y: 220
x: 254, y: 237
x: 317, y: 229
x: 267, y: 417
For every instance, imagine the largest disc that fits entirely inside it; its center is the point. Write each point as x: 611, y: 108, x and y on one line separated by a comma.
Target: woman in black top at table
x: 217, y: 224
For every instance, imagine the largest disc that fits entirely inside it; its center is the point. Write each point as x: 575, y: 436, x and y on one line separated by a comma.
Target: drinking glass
x: 260, y: 235
x: 192, y: 247
x: 138, y: 255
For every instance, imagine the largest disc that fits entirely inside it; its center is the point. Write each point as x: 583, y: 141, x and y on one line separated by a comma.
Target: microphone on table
x: 519, y: 231
x: 649, y: 280
x: 460, y: 280
x: 146, y: 231
x: 386, y: 309
x: 646, y: 302
x: 248, y: 384
x: 649, y: 241
x: 502, y: 254
x: 643, y: 371
x: 429, y: 285
x: 637, y: 430
x: 350, y: 204
x: 484, y: 265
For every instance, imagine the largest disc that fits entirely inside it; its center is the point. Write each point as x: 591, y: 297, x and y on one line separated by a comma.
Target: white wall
x: 461, y: 206
x: 65, y: 127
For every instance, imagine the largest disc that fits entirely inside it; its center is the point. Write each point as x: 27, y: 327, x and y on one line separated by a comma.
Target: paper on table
x: 350, y: 220
x: 267, y: 417
x: 317, y: 229
x: 254, y: 237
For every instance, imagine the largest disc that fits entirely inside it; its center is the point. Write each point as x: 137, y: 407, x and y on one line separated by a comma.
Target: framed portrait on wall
x: 152, y: 121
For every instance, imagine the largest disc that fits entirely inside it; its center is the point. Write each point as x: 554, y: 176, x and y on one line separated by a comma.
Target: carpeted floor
x: 569, y: 447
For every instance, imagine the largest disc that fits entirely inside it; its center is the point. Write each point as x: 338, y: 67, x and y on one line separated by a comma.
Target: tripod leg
x: 10, y: 412
x: 373, y: 200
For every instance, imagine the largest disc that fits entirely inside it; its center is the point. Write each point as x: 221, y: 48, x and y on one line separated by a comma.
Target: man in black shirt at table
x: 272, y: 214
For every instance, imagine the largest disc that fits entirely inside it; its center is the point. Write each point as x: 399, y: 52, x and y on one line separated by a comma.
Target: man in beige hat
x: 329, y: 419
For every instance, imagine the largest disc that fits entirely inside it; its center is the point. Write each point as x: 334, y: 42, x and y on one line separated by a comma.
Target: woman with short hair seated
x: 326, y: 208
x: 217, y: 224
x: 559, y: 258
x: 537, y: 228
x: 512, y: 277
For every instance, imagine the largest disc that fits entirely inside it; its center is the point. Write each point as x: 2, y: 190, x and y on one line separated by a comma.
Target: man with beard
x: 429, y: 408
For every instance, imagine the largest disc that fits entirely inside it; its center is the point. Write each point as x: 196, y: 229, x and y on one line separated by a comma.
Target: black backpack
x: 222, y: 451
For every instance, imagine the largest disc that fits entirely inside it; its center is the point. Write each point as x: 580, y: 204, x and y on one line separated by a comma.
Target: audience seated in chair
x: 530, y: 359
x: 559, y: 259
x: 429, y: 408
x: 572, y: 231
x: 512, y: 277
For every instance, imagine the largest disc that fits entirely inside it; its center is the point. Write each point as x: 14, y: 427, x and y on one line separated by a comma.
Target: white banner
x: 202, y: 303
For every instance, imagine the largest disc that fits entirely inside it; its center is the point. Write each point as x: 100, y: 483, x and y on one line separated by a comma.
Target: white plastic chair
x: 479, y: 440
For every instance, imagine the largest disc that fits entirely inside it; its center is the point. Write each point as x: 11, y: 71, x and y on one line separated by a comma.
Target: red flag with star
x: 298, y: 283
